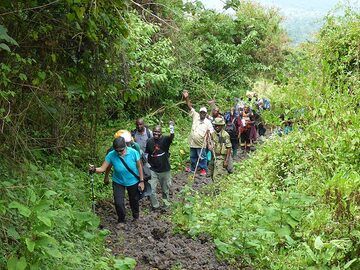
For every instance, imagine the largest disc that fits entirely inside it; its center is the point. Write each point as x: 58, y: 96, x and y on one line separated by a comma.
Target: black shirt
x: 158, y: 151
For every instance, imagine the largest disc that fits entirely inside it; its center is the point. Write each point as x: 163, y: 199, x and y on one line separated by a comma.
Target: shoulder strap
x: 130, y: 170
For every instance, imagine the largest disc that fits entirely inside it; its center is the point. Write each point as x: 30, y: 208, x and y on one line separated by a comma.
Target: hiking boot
x: 203, y: 172
x: 189, y: 170
x: 135, y: 220
x: 120, y: 225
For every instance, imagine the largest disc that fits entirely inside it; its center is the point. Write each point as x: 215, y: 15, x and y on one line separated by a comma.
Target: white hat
x: 123, y: 133
x: 203, y: 109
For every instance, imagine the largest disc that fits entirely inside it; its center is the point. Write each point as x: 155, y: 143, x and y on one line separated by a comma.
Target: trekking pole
x: 198, y: 160
x: 211, y: 143
x: 202, y: 148
x: 92, y: 192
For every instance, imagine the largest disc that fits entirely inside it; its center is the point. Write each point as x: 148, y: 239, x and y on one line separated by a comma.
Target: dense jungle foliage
x: 73, y: 72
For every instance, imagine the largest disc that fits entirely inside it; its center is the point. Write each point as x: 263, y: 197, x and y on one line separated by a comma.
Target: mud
x: 151, y: 241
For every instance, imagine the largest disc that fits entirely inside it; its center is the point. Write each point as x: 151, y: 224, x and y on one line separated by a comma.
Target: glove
x: 171, y: 127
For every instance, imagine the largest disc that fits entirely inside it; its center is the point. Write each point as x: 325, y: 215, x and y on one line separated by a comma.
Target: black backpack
x: 230, y: 128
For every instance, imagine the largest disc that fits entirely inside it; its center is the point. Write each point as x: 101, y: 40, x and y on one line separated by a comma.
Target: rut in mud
x: 151, y: 241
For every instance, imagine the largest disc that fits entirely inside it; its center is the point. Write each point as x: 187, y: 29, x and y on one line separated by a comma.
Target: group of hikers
x: 141, y: 159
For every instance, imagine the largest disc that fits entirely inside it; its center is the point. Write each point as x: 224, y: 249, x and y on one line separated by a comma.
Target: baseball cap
x: 203, y: 109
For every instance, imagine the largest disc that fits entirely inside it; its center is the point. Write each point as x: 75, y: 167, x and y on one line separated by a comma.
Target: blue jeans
x: 194, y: 156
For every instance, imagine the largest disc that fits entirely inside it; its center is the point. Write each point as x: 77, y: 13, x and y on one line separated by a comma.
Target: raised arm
x: 187, y: 100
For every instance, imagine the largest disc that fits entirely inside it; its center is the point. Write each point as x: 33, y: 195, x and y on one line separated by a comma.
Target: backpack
x: 231, y: 129
x: 266, y: 104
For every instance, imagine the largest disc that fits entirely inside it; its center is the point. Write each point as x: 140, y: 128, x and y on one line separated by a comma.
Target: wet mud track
x: 151, y: 241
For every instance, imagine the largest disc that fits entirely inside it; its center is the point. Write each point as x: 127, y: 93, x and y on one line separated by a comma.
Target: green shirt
x: 222, y: 142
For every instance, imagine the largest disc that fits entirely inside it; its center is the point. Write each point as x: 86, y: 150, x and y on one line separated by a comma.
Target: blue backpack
x: 266, y: 104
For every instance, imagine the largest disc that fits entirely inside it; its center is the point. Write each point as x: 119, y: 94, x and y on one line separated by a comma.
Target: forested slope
x: 295, y: 203
x: 73, y: 71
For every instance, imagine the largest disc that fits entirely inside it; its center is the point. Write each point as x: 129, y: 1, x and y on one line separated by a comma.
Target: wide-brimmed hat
x: 219, y: 121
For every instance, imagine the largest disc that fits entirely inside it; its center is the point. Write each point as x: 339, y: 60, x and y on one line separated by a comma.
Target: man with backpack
x: 222, y: 162
x: 141, y: 134
x: 157, y: 149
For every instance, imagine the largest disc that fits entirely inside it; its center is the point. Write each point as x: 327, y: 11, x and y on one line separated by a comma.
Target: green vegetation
x: 74, y: 72
x: 295, y: 203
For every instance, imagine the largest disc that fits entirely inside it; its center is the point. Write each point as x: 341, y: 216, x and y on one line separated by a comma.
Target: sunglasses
x: 120, y: 150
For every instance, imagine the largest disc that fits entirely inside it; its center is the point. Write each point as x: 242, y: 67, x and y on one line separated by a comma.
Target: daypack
x: 230, y: 128
x: 266, y: 104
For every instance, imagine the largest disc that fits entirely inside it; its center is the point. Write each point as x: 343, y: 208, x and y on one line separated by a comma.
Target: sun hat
x: 123, y: 133
x: 219, y: 121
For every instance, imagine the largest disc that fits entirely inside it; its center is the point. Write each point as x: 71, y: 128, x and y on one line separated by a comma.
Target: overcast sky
x: 302, y: 18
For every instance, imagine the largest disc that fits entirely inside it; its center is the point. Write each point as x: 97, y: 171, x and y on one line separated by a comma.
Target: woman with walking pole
x: 128, y: 175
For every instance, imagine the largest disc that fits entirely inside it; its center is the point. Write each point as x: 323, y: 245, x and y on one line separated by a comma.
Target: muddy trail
x: 151, y: 241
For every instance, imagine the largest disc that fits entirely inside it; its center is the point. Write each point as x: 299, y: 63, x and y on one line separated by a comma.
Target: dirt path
x: 151, y: 242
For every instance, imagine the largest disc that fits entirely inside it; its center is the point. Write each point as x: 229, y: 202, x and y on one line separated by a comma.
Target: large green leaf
x: 23, y: 210
x: 16, y: 264
x: 6, y: 37
x: 4, y: 47
x: 30, y: 244
x: 318, y: 243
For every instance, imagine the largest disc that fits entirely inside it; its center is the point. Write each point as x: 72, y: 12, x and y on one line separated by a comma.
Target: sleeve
x: 137, y: 156
x: 108, y: 157
x: 168, y: 140
x: 193, y: 113
x: 210, y: 127
x: 227, y: 141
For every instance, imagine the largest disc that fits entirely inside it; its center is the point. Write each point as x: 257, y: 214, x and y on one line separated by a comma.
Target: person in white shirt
x: 200, y: 131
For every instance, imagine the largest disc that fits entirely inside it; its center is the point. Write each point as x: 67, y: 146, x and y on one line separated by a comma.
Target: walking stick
x: 211, y: 143
x: 92, y: 192
x: 198, y: 160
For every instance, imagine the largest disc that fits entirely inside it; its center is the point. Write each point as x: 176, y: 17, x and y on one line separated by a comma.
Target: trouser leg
x: 153, y: 183
x: 230, y: 167
x: 193, y: 157
x: 165, y: 182
x: 119, y: 194
x: 203, y: 158
x: 219, y: 170
x: 134, y: 200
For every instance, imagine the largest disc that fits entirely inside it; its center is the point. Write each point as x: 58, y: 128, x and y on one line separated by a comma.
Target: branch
x: 152, y: 14
x: 3, y: 120
x: 33, y: 8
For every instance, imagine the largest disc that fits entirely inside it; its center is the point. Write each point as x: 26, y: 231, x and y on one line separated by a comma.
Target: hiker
x: 141, y: 134
x: 232, y: 127
x: 129, y: 143
x: 247, y: 123
x: 215, y: 111
x: 259, y: 124
x: 200, y: 131
x: 222, y: 149
x: 128, y: 174
x: 157, y: 149
x: 286, y: 125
